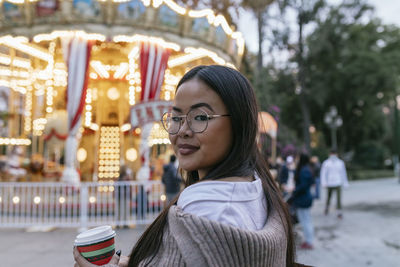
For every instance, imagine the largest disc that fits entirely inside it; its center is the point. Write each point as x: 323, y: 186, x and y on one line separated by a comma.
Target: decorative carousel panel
x: 87, y: 9
x: 46, y: 11
x: 13, y: 14
x: 200, y: 27
x: 233, y: 47
x: 131, y: 10
x: 220, y: 36
x: 168, y: 18
x: 46, y: 7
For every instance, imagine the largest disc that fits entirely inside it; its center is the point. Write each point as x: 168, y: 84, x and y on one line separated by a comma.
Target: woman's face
x: 201, y: 151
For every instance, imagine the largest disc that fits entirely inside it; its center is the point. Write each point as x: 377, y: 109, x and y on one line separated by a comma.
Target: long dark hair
x: 304, y: 160
x: 244, y: 157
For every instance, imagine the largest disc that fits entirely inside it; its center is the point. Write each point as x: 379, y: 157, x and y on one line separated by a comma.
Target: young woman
x: 302, y: 199
x: 231, y: 212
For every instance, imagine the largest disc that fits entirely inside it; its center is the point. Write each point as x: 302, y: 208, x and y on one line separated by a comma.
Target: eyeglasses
x: 197, y: 121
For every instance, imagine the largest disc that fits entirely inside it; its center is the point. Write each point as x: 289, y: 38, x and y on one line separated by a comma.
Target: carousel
x: 83, y: 83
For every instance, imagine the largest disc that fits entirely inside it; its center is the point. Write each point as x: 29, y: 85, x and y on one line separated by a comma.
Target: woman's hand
x: 123, y: 261
x: 116, y: 260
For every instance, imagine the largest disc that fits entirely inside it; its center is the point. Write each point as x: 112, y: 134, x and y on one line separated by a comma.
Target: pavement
x: 369, y: 233
x: 367, y: 236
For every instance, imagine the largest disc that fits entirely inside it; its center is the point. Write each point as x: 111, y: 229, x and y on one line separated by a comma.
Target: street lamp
x: 334, y: 121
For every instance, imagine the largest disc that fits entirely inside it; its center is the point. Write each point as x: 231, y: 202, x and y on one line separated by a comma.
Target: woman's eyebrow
x: 177, y: 109
x: 198, y: 105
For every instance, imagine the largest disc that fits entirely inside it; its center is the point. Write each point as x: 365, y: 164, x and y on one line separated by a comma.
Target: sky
x: 387, y: 10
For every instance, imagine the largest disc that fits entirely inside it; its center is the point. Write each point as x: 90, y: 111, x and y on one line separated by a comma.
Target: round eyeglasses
x: 197, y: 121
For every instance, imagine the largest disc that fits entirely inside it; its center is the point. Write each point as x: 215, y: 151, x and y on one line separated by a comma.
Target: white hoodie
x: 333, y: 172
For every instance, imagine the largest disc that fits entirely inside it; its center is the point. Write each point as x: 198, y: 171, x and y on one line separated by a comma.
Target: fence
x: 86, y: 205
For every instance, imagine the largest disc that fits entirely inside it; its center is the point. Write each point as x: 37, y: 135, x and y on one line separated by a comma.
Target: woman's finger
x: 115, y: 258
x: 80, y: 260
x: 123, y: 261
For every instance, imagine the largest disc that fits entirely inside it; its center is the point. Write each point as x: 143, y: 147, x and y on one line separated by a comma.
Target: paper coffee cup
x: 97, y: 244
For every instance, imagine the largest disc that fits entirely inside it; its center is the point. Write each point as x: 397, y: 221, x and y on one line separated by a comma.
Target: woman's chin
x: 187, y: 169
x: 187, y: 166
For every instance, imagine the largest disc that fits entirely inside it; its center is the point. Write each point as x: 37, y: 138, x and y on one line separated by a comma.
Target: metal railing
x: 86, y: 205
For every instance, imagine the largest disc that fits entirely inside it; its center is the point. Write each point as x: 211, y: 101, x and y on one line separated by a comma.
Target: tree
x: 306, y: 13
x: 351, y: 61
x: 259, y: 9
x: 353, y: 64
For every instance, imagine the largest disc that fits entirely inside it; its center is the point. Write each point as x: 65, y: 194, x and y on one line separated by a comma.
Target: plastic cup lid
x: 94, y: 235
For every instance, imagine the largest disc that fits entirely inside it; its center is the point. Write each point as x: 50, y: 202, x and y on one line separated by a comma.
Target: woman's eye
x: 176, y: 119
x: 201, y: 118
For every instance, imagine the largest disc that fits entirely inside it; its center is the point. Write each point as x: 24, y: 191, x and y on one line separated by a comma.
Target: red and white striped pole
x: 153, y: 62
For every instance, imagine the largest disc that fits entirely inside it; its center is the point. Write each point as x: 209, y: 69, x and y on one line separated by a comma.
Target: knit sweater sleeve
x: 202, y: 242
x: 168, y: 255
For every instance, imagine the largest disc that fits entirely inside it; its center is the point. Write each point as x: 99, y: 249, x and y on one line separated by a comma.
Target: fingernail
x: 118, y: 253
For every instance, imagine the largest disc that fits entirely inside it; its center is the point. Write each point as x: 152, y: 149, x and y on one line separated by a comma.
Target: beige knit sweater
x: 196, y: 241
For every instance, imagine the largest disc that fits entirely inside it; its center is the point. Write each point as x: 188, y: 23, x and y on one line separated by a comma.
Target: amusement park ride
x: 83, y: 83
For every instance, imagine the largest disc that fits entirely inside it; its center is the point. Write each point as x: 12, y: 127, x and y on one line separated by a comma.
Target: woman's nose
x: 185, y: 128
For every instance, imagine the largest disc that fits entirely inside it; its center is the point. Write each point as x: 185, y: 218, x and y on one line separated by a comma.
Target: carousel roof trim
x: 212, y: 18
x: 144, y: 38
x: 21, y: 43
x: 65, y: 34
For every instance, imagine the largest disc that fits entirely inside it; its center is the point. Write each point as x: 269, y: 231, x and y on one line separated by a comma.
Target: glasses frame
x: 209, y: 117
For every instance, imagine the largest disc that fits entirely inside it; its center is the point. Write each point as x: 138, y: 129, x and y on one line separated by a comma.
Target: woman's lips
x: 187, y: 149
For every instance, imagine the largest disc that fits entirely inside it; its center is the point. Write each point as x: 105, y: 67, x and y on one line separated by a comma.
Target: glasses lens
x: 171, y: 122
x: 198, y: 120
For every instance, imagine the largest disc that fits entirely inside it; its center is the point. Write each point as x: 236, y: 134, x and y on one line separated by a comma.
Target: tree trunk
x: 301, y: 80
x: 259, y: 14
x: 306, y: 121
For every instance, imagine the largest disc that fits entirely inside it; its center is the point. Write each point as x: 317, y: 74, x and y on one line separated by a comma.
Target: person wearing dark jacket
x: 171, y: 179
x: 302, y: 199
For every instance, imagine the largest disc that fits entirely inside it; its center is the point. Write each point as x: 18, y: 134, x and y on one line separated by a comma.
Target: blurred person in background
x: 171, y: 179
x: 316, y: 169
x: 3, y: 168
x: 286, y: 176
x: 333, y: 177
x: 124, y: 192
x: 302, y: 199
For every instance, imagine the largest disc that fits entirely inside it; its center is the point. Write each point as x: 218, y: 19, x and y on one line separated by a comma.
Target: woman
x: 231, y: 212
x: 302, y: 199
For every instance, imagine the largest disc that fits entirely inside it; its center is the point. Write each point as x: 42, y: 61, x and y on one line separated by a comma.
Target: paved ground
x: 368, y: 235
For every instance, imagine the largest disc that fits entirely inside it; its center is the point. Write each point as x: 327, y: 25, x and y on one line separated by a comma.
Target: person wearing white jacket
x: 333, y: 177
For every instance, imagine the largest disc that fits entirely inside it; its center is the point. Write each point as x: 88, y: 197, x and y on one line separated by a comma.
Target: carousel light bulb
x: 92, y: 199
x: 36, y: 200
x: 93, y: 76
x: 131, y: 154
x: 81, y: 154
x: 15, y: 200
x: 61, y: 200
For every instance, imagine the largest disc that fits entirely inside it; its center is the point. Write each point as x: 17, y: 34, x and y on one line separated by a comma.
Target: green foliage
x: 355, y: 67
x: 365, y: 174
x: 351, y: 61
x: 370, y: 154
